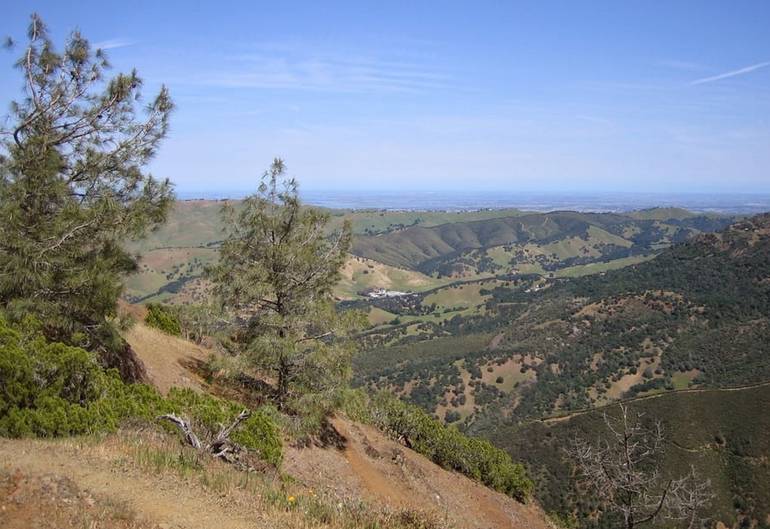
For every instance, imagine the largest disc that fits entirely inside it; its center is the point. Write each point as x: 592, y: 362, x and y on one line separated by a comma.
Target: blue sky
x: 533, y: 96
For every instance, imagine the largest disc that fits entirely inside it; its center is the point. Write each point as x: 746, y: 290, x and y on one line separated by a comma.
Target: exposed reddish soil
x: 375, y: 467
x: 369, y: 465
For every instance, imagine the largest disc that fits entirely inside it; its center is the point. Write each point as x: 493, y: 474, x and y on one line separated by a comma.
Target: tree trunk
x: 282, y: 391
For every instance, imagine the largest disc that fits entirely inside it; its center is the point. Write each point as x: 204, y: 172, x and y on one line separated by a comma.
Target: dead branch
x: 221, y: 447
x: 623, y: 471
x: 183, y: 425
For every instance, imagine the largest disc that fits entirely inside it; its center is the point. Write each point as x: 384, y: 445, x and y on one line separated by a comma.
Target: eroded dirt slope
x: 365, y: 464
x: 369, y: 465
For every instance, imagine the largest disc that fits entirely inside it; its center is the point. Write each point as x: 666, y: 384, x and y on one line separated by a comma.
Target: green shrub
x: 163, y: 319
x: 51, y: 389
x: 48, y: 389
x: 444, y: 445
x: 260, y: 433
x: 452, y: 416
x: 355, y: 403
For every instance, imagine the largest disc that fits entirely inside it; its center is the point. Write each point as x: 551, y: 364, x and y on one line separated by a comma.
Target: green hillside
x: 498, y: 359
x: 662, y: 214
x: 414, y: 246
x: 725, y: 435
x: 191, y: 223
x: 375, y: 222
x: 698, y: 314
x: 421, y: 250
x: 535, y: 242
x: 198, y: 223
x: 173, y: 256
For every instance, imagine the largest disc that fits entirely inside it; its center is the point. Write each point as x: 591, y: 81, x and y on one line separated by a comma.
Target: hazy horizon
x: 449, y: 200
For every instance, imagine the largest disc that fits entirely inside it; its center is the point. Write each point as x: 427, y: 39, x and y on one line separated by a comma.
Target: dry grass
x: 360, y: 273
x: 147, y: 479
x: 49, y: 501
x: 167, y: 358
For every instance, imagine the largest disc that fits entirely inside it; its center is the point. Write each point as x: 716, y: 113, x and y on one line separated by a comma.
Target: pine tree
x: 73, y: 188
x: 276, y: 272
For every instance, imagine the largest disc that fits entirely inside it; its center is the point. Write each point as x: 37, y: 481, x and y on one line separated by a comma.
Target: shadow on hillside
x: 255, y: 392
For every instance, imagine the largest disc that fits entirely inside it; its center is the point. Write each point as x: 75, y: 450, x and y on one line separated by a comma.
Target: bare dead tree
x: 689, y: 496
x: 221, y: 446
x: 623, y: 470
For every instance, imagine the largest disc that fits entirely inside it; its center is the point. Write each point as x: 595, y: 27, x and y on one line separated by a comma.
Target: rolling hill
x: 698, y: 314
x: 679, y: 331
x: 172, y: 258
x: 421, y: 250
x: 535, y: 242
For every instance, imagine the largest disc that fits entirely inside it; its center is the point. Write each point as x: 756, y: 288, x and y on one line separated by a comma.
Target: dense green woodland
x: 724, y: 434
x: 697, y: 316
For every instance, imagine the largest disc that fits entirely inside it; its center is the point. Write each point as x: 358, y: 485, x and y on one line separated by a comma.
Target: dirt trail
x: 372, y: 466
x: 394, y: 492
x: 160, y: 501
x: 167, y: 501
x: 576, y: 413
x: 376, y: 483
x: 495, y: 342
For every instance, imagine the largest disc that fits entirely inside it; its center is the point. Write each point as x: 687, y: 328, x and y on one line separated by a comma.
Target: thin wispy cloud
x: 112, y: 44
x: 325, y: 75
x: 732, y: 73
x: 296, y: 68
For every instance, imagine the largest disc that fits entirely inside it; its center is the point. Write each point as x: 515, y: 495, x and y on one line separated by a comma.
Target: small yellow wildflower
x: 291, y: 499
